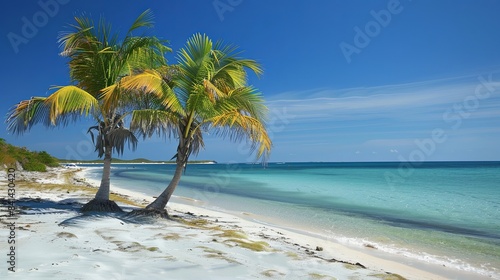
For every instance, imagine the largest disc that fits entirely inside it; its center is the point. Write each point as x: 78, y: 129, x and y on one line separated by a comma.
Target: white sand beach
x: 55, y: 241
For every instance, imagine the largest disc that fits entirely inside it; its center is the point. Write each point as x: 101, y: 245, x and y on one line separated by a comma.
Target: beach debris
x: 271, y: 273
x: 367, y: 245
x: 318, y: 248
x: 388, y: 276
x: 66, y: 235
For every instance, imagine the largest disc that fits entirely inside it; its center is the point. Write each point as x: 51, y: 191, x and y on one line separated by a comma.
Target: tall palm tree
x: 206, y: 91
x: 97, y: 60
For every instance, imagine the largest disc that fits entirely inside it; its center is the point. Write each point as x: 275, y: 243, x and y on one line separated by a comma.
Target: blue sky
x: 344, y: 80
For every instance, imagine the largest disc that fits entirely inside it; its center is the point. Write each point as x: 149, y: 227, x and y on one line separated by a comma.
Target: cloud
x: 386, y: 119
x: 423, y: 101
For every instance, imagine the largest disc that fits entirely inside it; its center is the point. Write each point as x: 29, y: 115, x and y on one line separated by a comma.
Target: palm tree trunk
x: 103, y: 192
x: 101, y: 202
x: 161, y: 201
x: 182, y: 157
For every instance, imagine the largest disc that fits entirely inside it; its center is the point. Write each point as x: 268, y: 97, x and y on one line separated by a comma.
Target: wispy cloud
x: 417, y: 101
x: 388, y: 119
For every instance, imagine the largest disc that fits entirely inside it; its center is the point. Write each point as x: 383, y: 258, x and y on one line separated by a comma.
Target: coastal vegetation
x: 97, y: 60
x: 12, y: 156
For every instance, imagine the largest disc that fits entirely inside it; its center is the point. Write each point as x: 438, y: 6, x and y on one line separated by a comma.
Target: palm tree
x: 97, y: 60
x: 206, y: 91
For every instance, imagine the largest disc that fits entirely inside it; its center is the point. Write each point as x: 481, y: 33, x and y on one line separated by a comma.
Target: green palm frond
x: 80, y: 38
x: 195, y: 64
x: 196, y: 49
x: 201, y: 104
x: 148, y: 122
x: 143, y: 53
x: 149, y: 82
x: 98, y: 59
x: 143, y: 20
x: 246, y: 100
x: 230, y: 68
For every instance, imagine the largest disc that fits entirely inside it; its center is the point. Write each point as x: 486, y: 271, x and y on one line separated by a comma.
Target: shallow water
x: 441, y: 212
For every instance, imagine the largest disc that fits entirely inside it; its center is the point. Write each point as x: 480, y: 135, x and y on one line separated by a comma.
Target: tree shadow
x: 38, y: 206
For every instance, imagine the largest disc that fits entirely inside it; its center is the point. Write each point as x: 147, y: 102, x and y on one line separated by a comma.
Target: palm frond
x: 246, y: 100
x: 201, y: 104
x: 65, y: 105
x: 148, y: 122
x: 238, y: 127
x: 213, y: 91
x: 147, y: 82
x: 195, y: 64
x: 98, y: 140
x: 89, y: 131
x: 98, y: 59
x: 197, y: 142
x: 140, y: 53
x: 230, y: 67
x: 121, y: 136
x: 70, y: 101
x: 143, y: 20
x: 27, y: 113
x: 80, y: 38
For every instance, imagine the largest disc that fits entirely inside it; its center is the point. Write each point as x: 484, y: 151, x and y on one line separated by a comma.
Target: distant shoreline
x: 65, y: 162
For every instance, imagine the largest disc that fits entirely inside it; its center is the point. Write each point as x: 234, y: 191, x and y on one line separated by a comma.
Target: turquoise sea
x: 445, y: 213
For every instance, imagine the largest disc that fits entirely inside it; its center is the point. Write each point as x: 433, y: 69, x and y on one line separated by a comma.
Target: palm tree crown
x: 206, y: 91
x: 97, y: 60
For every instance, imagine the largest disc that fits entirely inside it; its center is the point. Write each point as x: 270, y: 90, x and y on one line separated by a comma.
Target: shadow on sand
x: 37, y: 206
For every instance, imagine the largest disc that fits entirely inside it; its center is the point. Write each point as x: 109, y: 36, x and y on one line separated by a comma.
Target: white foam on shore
x: 424, y: 257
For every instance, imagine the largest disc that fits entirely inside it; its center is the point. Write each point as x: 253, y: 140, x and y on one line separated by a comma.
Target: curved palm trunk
x: 103, y: 192
x: 182, y: 157
x: 162, y: 200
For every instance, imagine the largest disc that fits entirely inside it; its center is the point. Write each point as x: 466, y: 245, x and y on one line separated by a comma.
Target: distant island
x: 136, y: 161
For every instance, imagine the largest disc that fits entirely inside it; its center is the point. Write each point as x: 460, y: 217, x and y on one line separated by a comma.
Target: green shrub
x: 47, y: 159
x: 34, y: 166
x: 30, y: 161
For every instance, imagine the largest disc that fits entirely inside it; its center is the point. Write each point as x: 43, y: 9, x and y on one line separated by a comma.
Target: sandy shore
x: 54, y: 240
